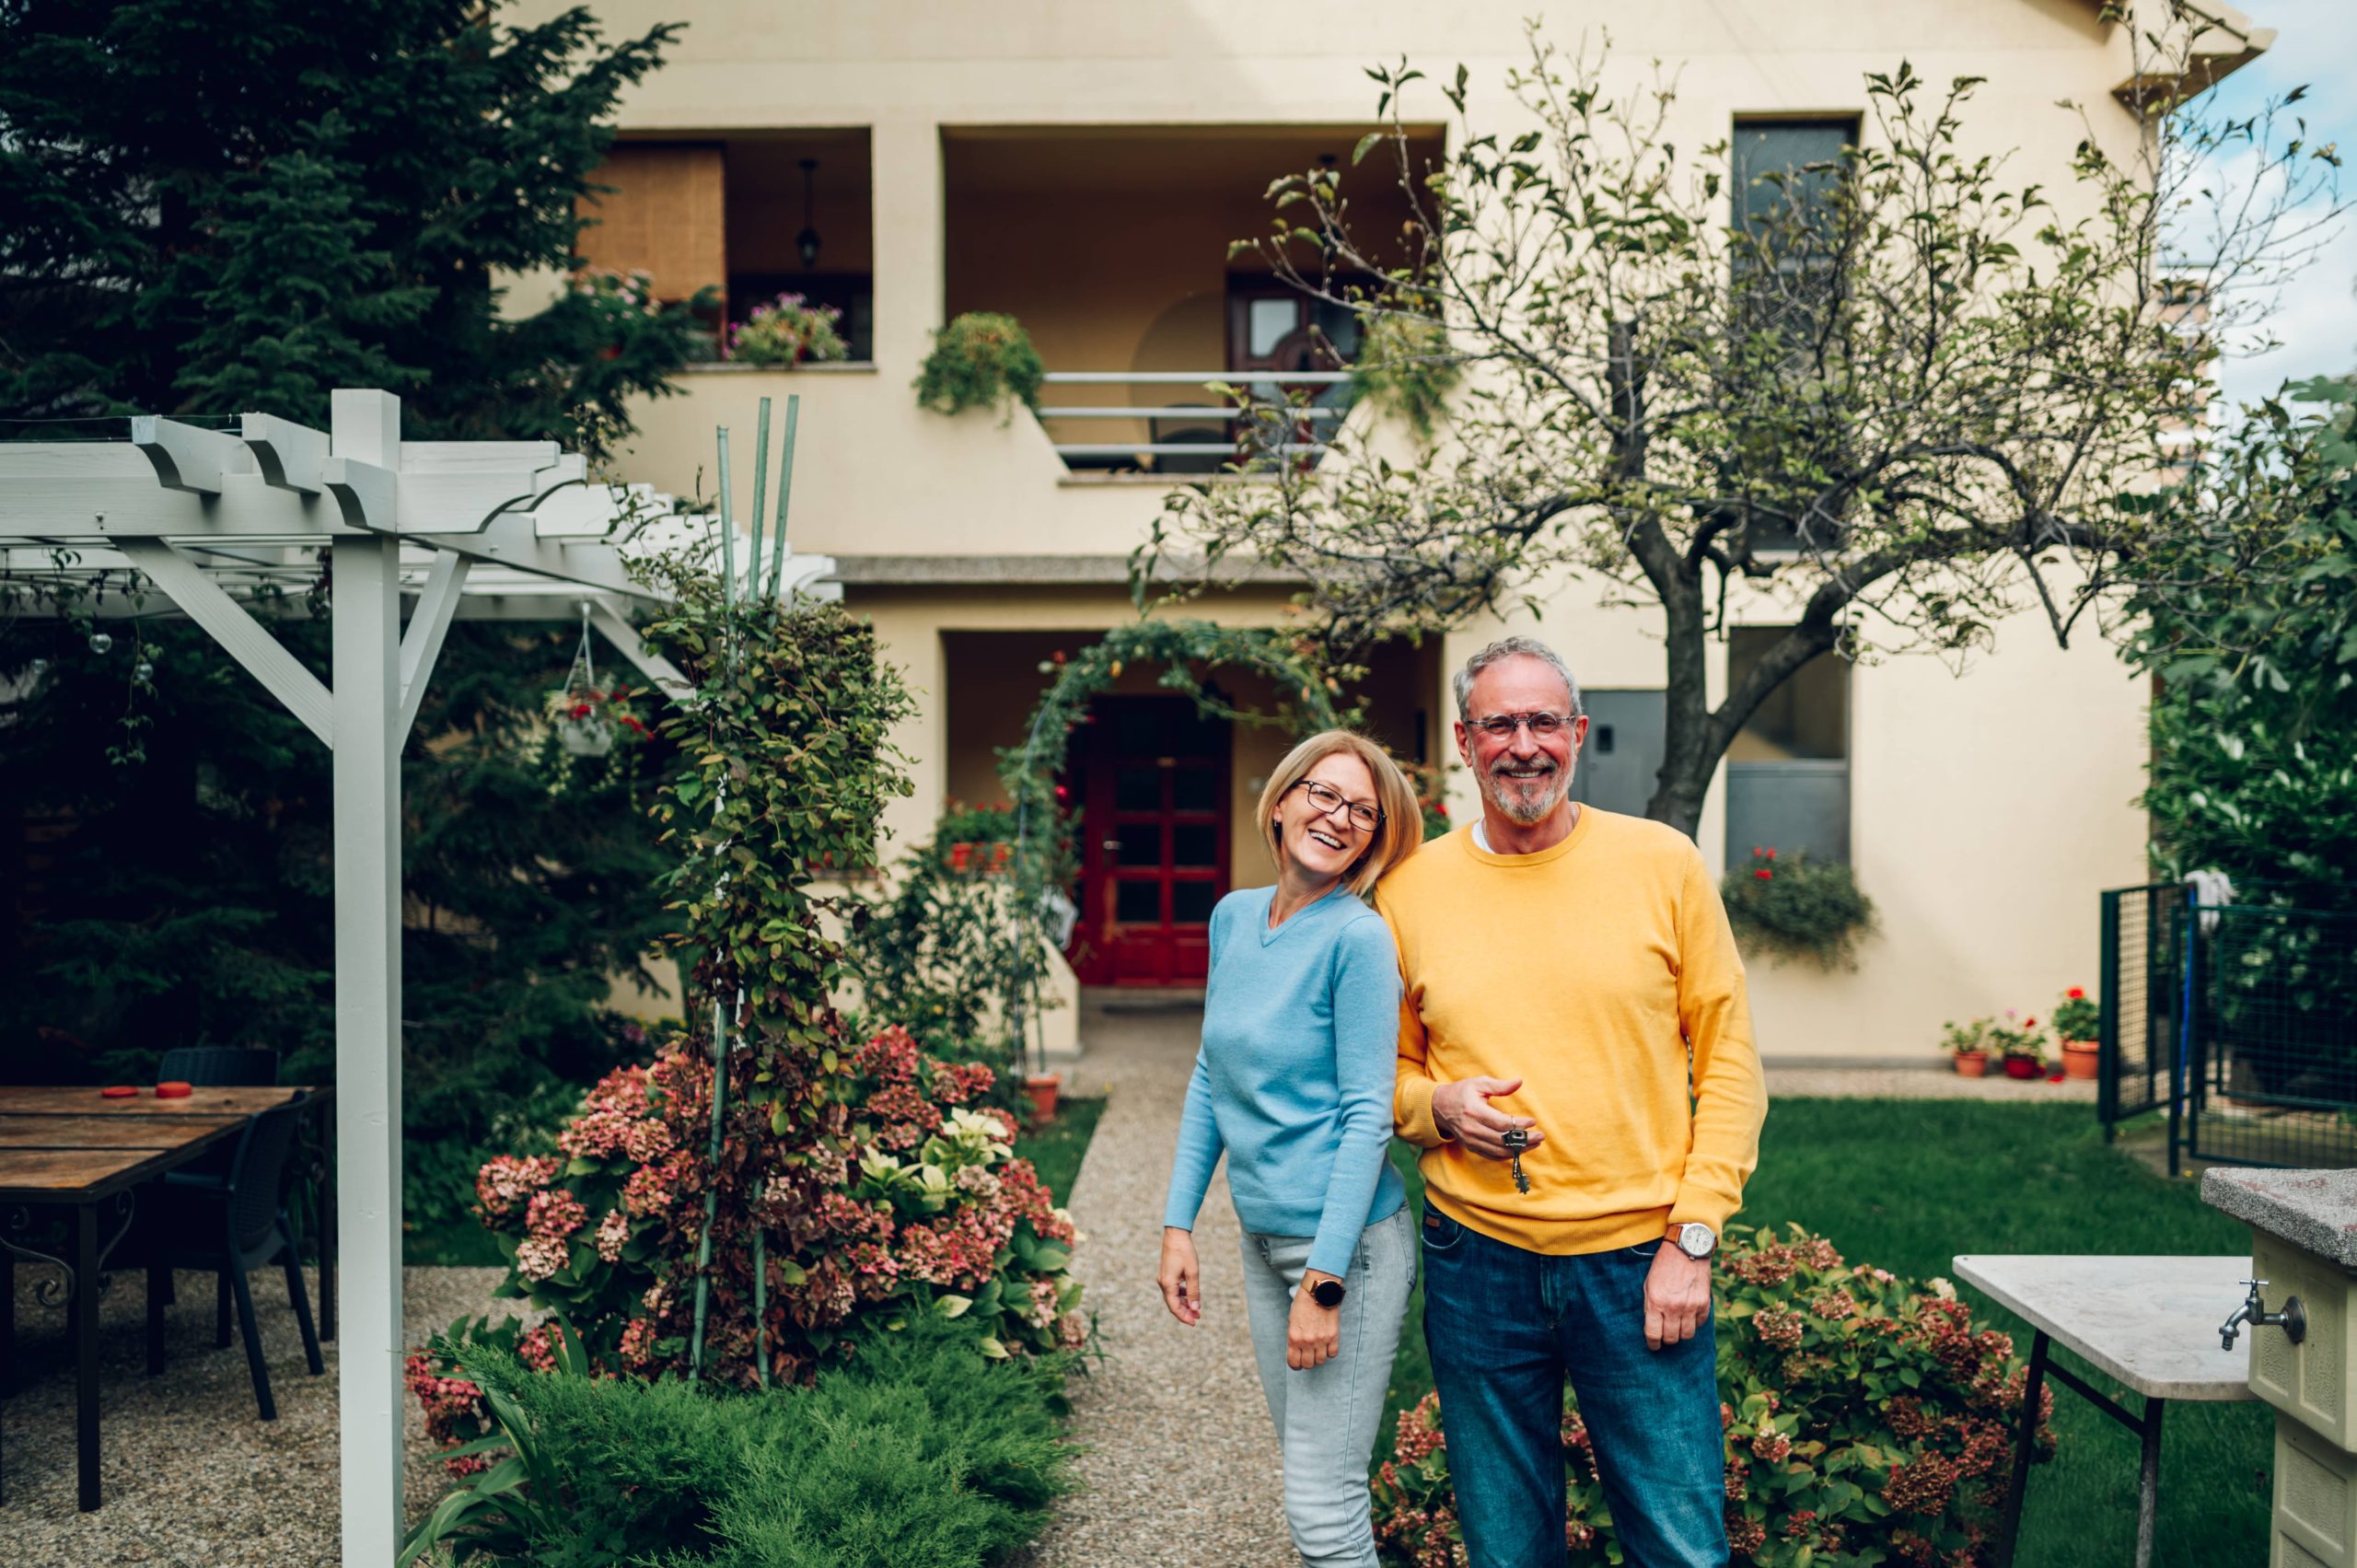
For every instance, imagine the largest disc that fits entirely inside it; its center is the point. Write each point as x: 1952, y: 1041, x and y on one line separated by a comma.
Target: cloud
x: 2314, y: 316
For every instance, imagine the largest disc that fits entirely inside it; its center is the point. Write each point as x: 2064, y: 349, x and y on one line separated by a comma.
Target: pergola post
x: 366, y: 685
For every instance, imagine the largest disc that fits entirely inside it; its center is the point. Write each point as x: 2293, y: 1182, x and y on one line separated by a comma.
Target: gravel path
x: 192, y: 1478
x: 1916, y: 1083
x: 1182, y: 1466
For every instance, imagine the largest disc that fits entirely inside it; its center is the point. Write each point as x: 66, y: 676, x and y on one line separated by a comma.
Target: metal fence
x: 2240, y: 1019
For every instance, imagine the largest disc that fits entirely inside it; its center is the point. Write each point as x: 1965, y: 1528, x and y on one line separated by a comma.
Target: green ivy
x: 786, y: 767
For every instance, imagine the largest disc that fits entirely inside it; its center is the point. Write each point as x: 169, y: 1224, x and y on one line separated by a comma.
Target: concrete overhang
x: 1031, y: 571
x: 2202, y: 43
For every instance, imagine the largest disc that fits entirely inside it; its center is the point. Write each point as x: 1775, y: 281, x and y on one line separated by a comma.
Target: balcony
x: 1134, y: 433
x: 1109, y: 244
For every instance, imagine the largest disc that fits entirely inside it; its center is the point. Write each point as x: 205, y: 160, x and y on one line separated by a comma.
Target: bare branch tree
x: 1893, y: 397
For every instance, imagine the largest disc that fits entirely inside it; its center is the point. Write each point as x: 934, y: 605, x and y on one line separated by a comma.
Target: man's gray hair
x: 1507, y: 648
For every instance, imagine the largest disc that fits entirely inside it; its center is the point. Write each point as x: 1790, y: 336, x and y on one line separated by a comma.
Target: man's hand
x: 1181, y: 1276
x: 1463, y: 1113
x: 1678, y: 1297
x: 1313, y: 1333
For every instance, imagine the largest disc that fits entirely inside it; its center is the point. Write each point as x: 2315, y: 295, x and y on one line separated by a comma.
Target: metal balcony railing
x: 1201, y: 447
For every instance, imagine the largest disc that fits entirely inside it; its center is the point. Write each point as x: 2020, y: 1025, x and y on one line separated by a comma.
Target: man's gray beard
x: 1516, y: 810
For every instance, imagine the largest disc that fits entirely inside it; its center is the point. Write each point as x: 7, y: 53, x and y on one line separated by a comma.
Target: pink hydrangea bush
x: 1866, y: 1421
x: 906, y: 1196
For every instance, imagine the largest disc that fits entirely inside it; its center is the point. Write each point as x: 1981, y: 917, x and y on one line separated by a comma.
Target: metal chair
x: 229, y: 1229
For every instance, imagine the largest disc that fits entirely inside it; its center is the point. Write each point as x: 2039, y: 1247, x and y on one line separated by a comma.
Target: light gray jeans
x: 1327, y: 1415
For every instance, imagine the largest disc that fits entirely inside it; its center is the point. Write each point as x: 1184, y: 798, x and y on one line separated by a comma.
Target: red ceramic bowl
x: 172, y: 1091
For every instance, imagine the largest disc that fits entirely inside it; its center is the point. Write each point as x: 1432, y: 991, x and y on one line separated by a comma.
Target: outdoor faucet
x: 2293, y: 1319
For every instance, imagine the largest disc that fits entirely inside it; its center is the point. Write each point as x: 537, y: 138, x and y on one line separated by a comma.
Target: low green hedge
x: 918, y: 1453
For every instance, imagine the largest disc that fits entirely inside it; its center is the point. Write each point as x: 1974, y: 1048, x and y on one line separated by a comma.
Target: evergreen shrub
x: 917, y: 1453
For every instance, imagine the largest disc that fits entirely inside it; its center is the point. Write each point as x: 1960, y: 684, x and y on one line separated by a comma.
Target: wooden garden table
x: 2149, y: 1322
x: 65, y: 1146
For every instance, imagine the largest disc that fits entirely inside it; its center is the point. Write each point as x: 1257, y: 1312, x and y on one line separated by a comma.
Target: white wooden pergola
x: 207, y: 518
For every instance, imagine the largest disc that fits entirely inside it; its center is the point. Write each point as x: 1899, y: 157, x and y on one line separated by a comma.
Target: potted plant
x: 787, y: 331
x: 2077, y: 1021
x: 980, y: 360
x: 2021, y: 1045
x: 1968, y: 1046
x: 1042, y: 1088
x: 1797, y: 907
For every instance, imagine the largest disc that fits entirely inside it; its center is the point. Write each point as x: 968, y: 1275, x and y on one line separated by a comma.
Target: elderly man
x: 1576, y: 1062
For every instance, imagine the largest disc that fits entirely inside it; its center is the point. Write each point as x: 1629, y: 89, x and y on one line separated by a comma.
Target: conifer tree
x: 205, y: 208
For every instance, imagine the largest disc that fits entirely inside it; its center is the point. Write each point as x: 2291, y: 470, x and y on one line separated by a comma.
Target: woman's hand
x: 1181, y: 1276
x: 1313, y: 1333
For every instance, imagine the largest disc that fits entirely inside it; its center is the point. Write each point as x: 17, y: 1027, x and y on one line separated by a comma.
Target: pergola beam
x: 658, y: 669
x: 245, y: 639
x: 187, y: 456
x: 289, y: 455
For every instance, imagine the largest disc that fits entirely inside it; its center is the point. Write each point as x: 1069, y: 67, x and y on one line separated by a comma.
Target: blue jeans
x: 1327, y: 1415
x: 1504, y: 1326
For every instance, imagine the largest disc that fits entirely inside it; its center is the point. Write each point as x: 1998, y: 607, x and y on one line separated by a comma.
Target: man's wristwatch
x: 1697, y: 1241
x: 1327, y: 1294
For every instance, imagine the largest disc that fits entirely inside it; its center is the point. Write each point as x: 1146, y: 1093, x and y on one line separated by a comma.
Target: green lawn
x: 1055, y: 1150
x: 1908, y: 1185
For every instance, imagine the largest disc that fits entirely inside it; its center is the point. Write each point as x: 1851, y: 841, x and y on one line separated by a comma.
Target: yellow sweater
x: 1592, y: 971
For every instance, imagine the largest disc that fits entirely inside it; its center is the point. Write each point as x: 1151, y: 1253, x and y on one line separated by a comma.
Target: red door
x: 1153, y: 776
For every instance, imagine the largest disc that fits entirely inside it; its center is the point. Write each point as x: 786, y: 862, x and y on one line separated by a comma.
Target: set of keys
x: 1517, y: 1139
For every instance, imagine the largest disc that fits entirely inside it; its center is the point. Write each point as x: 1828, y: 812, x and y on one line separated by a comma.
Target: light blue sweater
x: 1301, y: 1045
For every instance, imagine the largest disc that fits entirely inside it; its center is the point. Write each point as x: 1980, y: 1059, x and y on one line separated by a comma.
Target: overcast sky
x: 2316, y: 315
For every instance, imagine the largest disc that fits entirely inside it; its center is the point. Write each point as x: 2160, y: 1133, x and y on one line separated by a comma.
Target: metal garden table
x: 2149, y: 1322
x: 68, y: 1147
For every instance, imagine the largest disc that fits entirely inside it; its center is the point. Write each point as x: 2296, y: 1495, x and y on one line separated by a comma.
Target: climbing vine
x: 1043, y: 862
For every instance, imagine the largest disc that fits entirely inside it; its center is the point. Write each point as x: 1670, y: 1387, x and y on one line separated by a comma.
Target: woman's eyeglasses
x: 1327, y: 801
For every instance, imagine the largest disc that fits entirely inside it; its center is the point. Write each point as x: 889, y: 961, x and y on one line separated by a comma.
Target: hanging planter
x: 588, y: 718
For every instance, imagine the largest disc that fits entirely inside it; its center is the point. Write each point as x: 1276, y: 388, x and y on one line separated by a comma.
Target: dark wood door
x: 1152, y: 777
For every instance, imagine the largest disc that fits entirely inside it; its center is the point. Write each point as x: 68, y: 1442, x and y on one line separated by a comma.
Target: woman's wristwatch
x: 1327, y: 1294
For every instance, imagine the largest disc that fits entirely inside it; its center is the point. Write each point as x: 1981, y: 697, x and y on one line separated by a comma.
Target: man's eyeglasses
x: 1326, y: 802
x: 1503, y: 726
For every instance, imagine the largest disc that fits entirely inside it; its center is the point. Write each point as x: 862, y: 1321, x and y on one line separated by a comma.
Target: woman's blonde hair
x: 1395, y: 838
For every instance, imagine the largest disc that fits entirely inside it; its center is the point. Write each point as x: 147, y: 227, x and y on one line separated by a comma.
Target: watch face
x: 1696, y: 1241
x: 1328, y: 1293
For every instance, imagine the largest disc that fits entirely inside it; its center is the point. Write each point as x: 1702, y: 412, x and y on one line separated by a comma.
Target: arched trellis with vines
x: 1188, y: 650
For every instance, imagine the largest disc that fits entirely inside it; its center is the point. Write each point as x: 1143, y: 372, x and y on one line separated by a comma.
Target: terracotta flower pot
x: 1042, y: 1088
x: 2023, y: 1067
x: 1971, y: 1063
x: 2079, y: 1057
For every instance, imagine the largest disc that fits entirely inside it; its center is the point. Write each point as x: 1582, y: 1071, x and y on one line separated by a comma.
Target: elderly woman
x: 1293, y: 1083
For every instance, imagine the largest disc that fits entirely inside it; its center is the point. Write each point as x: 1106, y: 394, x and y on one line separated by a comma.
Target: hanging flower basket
x: 581, y: 729
x: 587, y: 717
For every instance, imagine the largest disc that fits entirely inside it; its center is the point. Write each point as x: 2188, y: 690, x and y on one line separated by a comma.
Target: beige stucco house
x: 1083, y: 165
